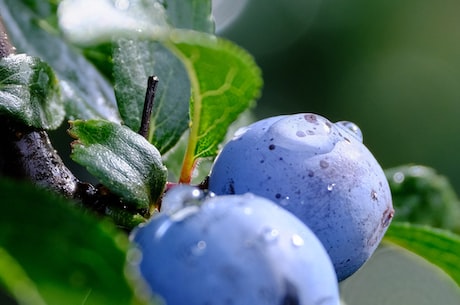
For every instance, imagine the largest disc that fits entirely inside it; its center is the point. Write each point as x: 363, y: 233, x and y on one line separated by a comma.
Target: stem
x: 190, y: 159
x: 152, y: 83
x: 6, y: 48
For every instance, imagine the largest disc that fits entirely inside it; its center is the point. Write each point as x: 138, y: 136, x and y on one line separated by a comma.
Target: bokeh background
x: 392, y: 67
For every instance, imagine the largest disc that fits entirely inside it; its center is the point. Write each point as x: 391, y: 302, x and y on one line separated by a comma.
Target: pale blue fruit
x: 318, y: 170
x: 235, y: 249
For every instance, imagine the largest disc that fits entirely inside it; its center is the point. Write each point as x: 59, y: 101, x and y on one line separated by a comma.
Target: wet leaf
x: 85, y: 92
x: 136, y: 60
x: 29, y: 92
x: 121, y: 159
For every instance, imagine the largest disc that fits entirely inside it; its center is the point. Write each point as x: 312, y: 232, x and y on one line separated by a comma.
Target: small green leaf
x: 422, y: 196
x: 225, y: 81
x: 53, y: 253
x: 121, y: 159
x: 29, y: 92
x: 85, y: 92
x: 440, y: 247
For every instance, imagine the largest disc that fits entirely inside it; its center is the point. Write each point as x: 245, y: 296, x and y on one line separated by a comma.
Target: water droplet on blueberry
x: 199, y: 248
x: 180, y: 196
x: 297, y: 240
x: 352, y: 129
x: 270, y: 235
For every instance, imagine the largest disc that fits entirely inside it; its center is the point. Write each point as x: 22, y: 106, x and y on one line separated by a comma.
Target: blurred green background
x: 392, y: 67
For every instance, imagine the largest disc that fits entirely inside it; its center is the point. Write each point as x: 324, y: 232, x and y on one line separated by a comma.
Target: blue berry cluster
x: 295, y: 204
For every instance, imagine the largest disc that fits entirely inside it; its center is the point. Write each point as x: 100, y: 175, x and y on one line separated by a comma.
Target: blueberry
x: 318, y: 170
x: 234, y: 249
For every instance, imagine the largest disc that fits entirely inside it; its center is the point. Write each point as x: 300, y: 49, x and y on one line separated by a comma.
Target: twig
x: 152, y: 83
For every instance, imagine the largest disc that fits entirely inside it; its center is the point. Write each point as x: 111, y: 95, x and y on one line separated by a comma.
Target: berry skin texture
x: 318, y: 170
x: 235, y: 249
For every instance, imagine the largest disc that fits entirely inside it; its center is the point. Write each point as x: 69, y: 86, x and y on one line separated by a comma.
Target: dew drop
x: 270, y: 235
x: 181, y: 196
x: 352, y: 129
x: 199, y: 248
x: 297, y: 241
x: 285, y: 201
x: 184, y: 213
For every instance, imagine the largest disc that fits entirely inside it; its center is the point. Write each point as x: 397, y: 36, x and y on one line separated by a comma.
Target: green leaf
x: 29, y: 92
x: 53, y: 253
x: 440, y: 247
x: 225, y: 81
x: 134, y: 61
x: 16, y: 281
x: 85, y: 92
x: 422, y: 196
x: 224, y: 78
x: 121, y: 159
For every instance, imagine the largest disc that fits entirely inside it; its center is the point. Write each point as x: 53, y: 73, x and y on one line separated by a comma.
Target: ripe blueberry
x: 235, y: 249
x: 318, y: 170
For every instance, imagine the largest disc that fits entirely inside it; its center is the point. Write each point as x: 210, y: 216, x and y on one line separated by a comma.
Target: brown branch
x: 6, y: 48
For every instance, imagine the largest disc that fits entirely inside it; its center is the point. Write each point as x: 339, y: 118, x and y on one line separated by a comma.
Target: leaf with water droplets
x: 86, y: 94
x: 123, y: 160
x: 29, y: 92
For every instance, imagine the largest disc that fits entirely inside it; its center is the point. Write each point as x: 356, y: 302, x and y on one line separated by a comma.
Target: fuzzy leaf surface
x: 86, y: 93
x: 136, y: 59
x: 29, y: 92
x: 121, y: 159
